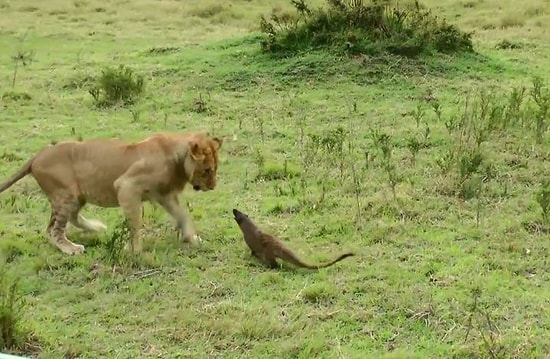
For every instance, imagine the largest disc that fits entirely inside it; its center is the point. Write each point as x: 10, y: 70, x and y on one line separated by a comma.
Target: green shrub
x: 11, y: 304
x: 356, y: 26
x: 117, y: 86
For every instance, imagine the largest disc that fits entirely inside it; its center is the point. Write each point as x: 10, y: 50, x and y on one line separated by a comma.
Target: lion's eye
x: 208, y: 170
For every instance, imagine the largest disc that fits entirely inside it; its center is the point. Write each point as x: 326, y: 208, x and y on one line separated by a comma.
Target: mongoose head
x: 240, y: 217
x: 245, y: 224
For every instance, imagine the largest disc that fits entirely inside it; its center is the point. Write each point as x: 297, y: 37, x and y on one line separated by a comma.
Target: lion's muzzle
x: 202, y: 188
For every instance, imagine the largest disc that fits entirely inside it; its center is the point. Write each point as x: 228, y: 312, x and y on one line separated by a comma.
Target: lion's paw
x: 192, y: 238
x: 71, y: 248
x: 78, y: 249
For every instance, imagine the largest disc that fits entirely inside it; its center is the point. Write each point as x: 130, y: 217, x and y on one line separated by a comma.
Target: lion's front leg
x: 184, y: 224
x: 130, y: 200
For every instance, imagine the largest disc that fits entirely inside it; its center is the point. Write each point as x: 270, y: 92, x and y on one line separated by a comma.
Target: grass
x: 330, y: 153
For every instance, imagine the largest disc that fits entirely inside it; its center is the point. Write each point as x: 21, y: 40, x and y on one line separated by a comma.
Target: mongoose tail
x: 287, y: 255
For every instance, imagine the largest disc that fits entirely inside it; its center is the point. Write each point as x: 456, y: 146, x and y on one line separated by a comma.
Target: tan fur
x: 268, y: 248
x: 115, y: 173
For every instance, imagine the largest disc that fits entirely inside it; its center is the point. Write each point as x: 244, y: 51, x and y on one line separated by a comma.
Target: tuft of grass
x: 12, y: 304
x: 507, y: 45
x: 271, y: 171
x: 322, y: 294
x: 16, y: 96
x: 511, y: 21
x: 535, y: 10
x: 208, y: 10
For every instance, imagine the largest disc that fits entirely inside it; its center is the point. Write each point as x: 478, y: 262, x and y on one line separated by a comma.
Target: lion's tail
x: 23, y: 171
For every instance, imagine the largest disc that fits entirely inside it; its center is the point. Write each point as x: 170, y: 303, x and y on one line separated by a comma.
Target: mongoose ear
x: 217, y: 142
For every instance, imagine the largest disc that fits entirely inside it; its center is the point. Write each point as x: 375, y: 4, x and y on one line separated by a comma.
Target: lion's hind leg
x: 62, y: 209
x: 55, y: 178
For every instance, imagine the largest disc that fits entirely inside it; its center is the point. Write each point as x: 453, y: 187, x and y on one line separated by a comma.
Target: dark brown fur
x: 268, y: 248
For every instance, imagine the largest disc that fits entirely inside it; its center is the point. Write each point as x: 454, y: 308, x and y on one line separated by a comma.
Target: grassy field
x: 451, y: 242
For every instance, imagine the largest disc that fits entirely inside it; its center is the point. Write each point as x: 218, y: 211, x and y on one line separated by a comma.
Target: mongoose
x: 268, y: 248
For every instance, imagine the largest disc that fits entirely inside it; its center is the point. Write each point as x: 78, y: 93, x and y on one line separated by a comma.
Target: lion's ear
x: 195, y: 150
x: 218, y: 142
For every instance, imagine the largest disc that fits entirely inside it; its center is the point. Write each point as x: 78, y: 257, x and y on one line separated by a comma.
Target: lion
x: 115, y: 173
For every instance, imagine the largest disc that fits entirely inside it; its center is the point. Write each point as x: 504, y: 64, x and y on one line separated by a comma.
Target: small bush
x: 368, y: 27
x: 11, y: 304
x: 16, y: 96
x: 200, y: 105
x: 119, y: 237
x: 116, y: 86
x: 507, y: 44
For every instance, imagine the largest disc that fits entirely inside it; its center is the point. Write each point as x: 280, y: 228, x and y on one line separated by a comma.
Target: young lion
x: 114, y: 173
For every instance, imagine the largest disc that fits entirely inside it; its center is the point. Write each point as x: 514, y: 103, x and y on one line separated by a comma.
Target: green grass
x: 423, y: 257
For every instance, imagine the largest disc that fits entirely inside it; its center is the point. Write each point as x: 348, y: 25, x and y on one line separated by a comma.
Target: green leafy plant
x: 541, y: 97
x: 117, y: 86
x: 418, y: 114
x: 466, y: 155
x: 136, y: 114
x: 481, y: 325
x: 382, y: 141
x: 21, y: 58
x: 119, y: 237
x: 200, y: 105
x: 414, y: 146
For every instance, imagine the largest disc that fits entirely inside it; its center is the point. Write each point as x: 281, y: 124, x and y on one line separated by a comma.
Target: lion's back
x: 97, y: 164
x: 88, y: 168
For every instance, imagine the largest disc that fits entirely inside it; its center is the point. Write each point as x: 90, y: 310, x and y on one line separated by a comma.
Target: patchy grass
x: 434, y: 171
x: 512, y: 20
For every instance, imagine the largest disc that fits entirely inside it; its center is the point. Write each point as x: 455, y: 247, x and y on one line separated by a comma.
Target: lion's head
x: 204, y: 153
